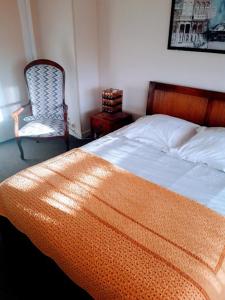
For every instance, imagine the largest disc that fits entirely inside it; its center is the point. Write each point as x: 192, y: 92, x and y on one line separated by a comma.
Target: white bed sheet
x: 195, y: 181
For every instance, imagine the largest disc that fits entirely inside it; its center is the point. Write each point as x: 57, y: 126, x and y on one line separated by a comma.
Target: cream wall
x: 12, y: 62
x: 86, y: 43
x: 66, y: 31
x: 100, y: 43
x: 53, y: 24
x: 133, y: 50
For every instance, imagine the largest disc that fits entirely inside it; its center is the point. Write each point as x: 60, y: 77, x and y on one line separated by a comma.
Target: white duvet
x: 194, y: 180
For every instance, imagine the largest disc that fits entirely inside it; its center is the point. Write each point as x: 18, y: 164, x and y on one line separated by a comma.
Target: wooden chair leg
x: 19, y: 143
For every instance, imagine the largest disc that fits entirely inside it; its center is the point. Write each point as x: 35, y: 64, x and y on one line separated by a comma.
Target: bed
x: 125, y: 220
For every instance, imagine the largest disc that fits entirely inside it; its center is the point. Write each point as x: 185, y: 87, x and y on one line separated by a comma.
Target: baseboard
x: 74, y: 132
x: 86, y: 133
x: 83, y: 135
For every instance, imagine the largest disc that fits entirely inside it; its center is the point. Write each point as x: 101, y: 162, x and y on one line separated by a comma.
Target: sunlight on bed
x: 61, y: 205
x: 40, y: 216
x: 62, y: 202
x: 76, y: 194
x: 221, y: 279
x: 24, y: 182
x: 95, y: 177
x: 68, y: 195
x: 62, y: 164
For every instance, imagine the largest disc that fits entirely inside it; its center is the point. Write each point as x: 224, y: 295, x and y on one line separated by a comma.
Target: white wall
x: 86, y: 33
x: 133, y: 51
x: 54, y: 36
x: 100, y: 43
x: 66, y: 32
x: 12, y: 62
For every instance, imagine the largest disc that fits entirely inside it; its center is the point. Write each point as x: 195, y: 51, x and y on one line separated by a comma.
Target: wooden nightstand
x: 104, y: 123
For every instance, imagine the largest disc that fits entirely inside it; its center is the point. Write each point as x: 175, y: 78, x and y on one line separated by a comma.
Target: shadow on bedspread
x: 25, y: 273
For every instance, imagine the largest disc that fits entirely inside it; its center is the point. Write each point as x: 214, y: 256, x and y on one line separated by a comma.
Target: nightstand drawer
x: 99, y: 127
x: 104, y: 123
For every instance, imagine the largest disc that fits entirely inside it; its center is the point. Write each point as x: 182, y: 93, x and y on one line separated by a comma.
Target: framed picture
x: 197, y: 25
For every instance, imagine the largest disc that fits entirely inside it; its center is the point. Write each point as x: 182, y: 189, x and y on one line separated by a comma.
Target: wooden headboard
x: 202, y: 107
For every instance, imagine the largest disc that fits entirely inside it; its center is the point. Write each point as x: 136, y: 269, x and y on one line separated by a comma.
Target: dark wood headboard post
x: 151, y: 91
x: 203, y: 107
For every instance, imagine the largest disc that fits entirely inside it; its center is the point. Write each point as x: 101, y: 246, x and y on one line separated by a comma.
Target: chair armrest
x: 16, y: 113
x: 15, y: 116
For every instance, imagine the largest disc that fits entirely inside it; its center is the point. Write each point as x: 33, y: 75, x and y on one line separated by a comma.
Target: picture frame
x: 197, y: 25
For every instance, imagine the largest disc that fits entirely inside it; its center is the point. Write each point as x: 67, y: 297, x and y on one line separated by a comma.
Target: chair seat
x: 43, y: 128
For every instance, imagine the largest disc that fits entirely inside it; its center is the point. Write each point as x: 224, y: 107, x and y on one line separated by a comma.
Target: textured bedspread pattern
x: 116, y: 235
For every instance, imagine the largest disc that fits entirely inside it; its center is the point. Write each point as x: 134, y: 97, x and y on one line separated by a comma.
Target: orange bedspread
x: 115, y: 234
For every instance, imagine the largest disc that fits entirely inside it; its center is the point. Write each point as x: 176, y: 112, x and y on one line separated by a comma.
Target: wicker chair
x: 45, y: 81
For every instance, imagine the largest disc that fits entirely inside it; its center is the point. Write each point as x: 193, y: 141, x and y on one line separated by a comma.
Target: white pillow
x: 207, y: 146
x: 161, y: 131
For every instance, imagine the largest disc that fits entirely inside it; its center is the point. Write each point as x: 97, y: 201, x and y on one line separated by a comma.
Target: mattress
x: 195, y: 181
